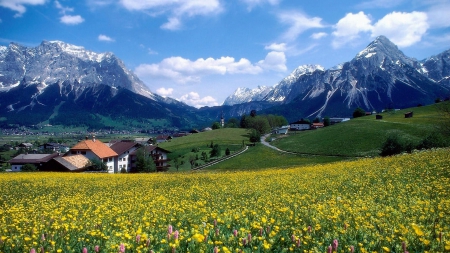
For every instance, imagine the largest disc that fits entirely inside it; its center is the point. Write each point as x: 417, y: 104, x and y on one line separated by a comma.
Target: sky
x: 200, y: 51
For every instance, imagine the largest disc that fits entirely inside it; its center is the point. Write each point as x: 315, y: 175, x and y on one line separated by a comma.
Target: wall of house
x: 16, y: 167
x: 124, y: 160
x: 300, y: 126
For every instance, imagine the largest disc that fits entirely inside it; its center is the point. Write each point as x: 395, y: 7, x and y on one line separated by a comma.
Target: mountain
x: 378, y: 77
x: 244, y: 95
x: 63, y: 84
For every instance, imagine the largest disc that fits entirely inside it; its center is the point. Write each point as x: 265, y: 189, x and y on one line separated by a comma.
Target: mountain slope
x: 379, y: 77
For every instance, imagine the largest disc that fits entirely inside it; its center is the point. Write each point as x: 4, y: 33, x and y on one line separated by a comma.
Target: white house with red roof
x: 92, y: 149
x: 124, y: 148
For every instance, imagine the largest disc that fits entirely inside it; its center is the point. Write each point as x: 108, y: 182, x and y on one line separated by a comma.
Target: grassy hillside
x: 362, y: 136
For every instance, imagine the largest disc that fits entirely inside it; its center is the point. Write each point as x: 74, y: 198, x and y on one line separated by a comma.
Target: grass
x: 362, y: 136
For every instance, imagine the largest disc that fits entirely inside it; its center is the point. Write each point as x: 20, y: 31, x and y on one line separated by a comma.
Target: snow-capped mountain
x: 244, y: 95
x: 58, y: 62
x: 380, y: 76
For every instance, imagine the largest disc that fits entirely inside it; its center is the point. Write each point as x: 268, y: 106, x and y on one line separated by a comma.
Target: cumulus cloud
x: 403, y: 29
x: 275, y: 61
x: 349, y: 27
x: 194, y: 99
x: 71, y: 20
x: 184, y: 70
x: 68, y: 19
x: 298, y: 23
x: 281, y: 47
x: 103, y: 37
x: 438, y: 15
x: 175, y: 9
x: 164, y: 92
x: 19, y: 5
x: 320, y: 35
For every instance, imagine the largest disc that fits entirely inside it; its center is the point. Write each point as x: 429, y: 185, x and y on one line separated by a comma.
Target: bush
x: 392, y: 146
x: 359, y: 112
x: 432, y: 140
x: 255, y: 136
x: 28, y: 167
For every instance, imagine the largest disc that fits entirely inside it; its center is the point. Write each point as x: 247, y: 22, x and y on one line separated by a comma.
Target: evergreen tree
x: 144, y: 161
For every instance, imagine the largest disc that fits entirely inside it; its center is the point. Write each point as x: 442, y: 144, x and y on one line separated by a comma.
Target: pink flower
x: 138, y: 238
x: 32, y: 250
x: 42, y: 250
x: 215, y: 223
x: 122, y: 248
x: 309, y: 229
x: 170, y: 229
x: 293, y: 238
x: 85, y: 250
x: 330, y: 249
x: 176, y: 234
x: 260, y: 232
x: 206, y: 238
x: 42, y: 237
x: 267, y: 229
x: 404, y: 246
x: 298, y: 243
x: 147, y: 243
x: 97, y: 248
x: 335, y: 244
x: 216, y: 249
x: 244, y: 241
x: 249, y: 237
x: 352, y: 249
x: 235, y: 233
x: 217, y: 232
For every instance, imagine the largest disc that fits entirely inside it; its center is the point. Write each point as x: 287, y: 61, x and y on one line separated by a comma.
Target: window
x: 73, y: 152
x: 120, y: 159
x: 124, y: 159
x: 105, y: 160
x: 83, y: 152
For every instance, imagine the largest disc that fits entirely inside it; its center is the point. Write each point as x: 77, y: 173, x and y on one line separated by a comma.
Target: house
x: 378, y: 116
x: 281, y: 130
x: 74, y: 163
x: 338, y: 120
x: 144, y: 140
x: 124, y: 149
x: 163, y: 138
x: 38, y: 160
x: 408, y: 115
x: 25, y: 145
x: 56, y: 147
x: 95, y: 149
x: 158, y: 154
x: 317, y: 125
x: 300, y: 125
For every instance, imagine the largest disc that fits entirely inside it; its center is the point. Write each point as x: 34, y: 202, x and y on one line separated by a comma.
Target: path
x: 221, y: 159
x: 264, y: 142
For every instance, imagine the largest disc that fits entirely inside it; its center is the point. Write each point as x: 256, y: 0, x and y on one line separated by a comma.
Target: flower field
x: 394, y: 204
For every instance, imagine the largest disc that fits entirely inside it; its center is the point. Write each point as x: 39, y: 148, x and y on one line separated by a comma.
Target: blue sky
x: 201, y: 51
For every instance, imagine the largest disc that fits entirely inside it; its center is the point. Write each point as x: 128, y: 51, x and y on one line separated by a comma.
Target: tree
x: 244, y: 121
x: 176, y: 163
x: 28, y: 167
x: 316, y: 120
x: 215, y: 151
x: 144, y: 161
x: 216, y: 125
x: 192, y: 161
x: 326, y: 121
x: 96, y: 164
x: 260, y: 124
x: 358, y: 112
x: 255, y: 136
x: 253, y: 113
x: 227, y: 151
x: 204, y: 156
x: 232, y: 123
x: 444, y: 124
x: 392, y: 146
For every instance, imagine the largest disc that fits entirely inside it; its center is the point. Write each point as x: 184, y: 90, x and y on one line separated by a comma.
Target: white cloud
x: 439, y: 15
x: 184, y: 70
x: 379, y: 4
x: 194, y: 99
x: 281, y: 47
x: 403, y: 29
x: 172, y: 24
x: 103, y: 37
x: 175, y: 9
x: 275, y: 61
x: 151, y: 51
x: 19, y: 5
x: 68, y: 19
x: 298, y: 23
x: 320, y: 35
x: 349, y: 27
x: 164, y: 92
x: 252, y: 3
x: 71, y: 20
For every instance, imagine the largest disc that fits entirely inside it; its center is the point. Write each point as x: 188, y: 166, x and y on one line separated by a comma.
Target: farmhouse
x: 95, y: 149
x: 300, y: 125
x: 74, y: 163
x: 163, y: 138
x: 281, y: 130
x: 38, y: 160
x: 158, y: 154
x: 56, y: 147
x: 124, y: 149
x: 317, y: 125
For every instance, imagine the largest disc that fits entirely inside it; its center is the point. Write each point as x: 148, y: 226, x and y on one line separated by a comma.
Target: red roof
x: 99, y: 148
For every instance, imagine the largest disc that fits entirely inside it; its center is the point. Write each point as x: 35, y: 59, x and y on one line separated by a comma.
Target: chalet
x: 74, y: 163
x: 158, y: 154
x: 95, y: 149
x: 38, y: 160
x: 408, y: 115
x: 281, y: 130
x: 124, y: 149
x: 56, y: 147
x: 300, y: 125
x: 163, y: 138
x: 378, y: 116
x: 317, y: 125
x: 144, y: 140
x: 25, y: 145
